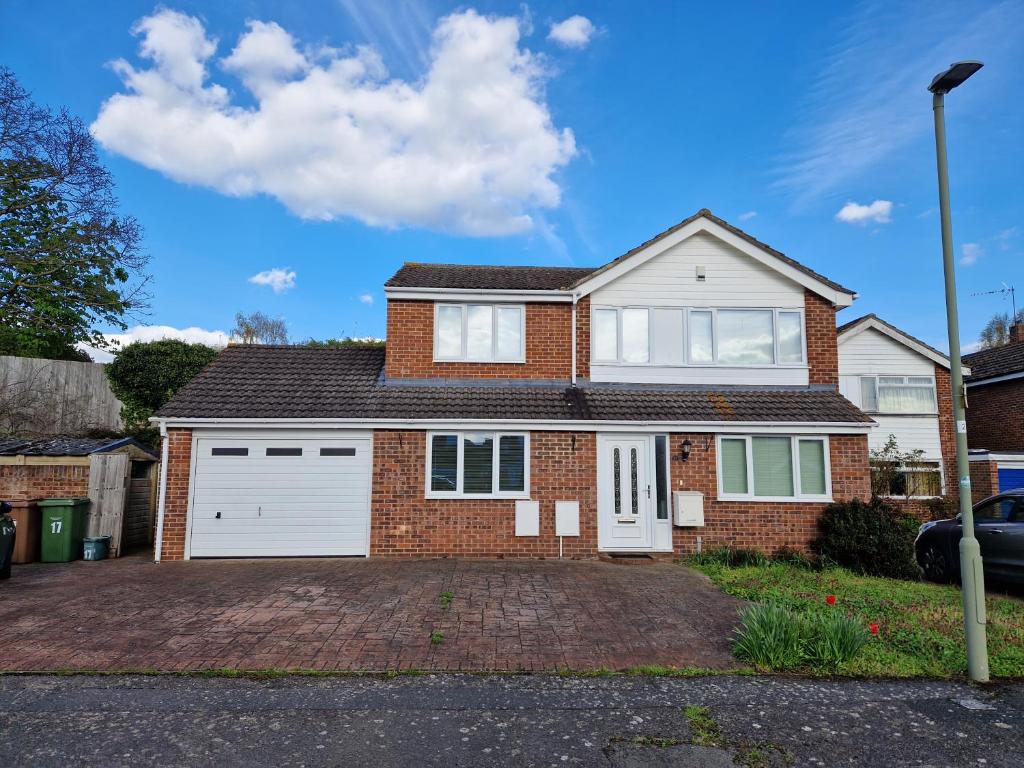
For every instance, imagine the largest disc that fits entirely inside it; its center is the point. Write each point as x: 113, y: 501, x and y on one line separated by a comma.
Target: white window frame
x: 463, y: 357
x: 688, y: 360
x: 794, y: 449
x: 458, y: 493
x: 905, y: 469
x: 618, y: 336
x: 905, y: 377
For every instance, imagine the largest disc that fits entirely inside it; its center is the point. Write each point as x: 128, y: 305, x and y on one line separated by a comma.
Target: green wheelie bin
x: 63, y: 529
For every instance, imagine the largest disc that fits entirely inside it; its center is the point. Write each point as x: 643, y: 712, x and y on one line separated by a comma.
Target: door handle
x: 994, y: 531
x: 648, y: 490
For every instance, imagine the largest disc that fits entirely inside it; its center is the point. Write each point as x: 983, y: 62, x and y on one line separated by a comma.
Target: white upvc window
x: 622, y: 335
x: 898, y: 394
x: 735, y: 338
x: 493, y: 465
x: 480, y: 333
x: 774, y: 468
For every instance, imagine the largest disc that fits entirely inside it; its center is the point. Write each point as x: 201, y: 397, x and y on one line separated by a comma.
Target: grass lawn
x: 920, y: 624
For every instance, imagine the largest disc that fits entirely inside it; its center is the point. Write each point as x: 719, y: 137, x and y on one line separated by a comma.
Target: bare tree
x: 257, y: 328
x: 996, y: 332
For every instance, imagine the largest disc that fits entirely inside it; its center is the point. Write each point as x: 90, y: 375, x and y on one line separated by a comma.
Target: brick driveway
x: 374, y: 615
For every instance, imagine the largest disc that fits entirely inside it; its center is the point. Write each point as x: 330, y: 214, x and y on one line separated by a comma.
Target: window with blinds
x: 773, y: 467
x: 478, y: 464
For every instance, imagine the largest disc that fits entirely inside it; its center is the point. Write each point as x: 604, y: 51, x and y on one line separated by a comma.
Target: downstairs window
x: 773, y: 468
x: 922, y: 479
x: 478, y: 465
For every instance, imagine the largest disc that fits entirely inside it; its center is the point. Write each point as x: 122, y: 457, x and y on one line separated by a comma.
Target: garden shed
x: 119, y: 475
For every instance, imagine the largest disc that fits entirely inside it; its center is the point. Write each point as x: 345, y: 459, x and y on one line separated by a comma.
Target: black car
x: 999, y: 527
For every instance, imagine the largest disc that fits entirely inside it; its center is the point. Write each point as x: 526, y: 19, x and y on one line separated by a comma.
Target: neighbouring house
x: 904, y: 385
x: 683, y: 395
x: 995, y: 415
x: 121, y: 471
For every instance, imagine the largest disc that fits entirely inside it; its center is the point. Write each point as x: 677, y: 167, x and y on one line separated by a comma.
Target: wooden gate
x: 108, y: 492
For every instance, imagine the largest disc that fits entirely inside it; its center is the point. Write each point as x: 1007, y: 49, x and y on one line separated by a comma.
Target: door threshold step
x: 630, y: 558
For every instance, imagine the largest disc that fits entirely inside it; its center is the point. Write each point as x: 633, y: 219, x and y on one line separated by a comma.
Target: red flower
x: 874, y: 628
x: 831, y: 599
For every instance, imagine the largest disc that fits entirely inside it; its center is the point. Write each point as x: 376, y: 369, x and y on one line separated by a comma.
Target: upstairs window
x: 898, y: 394
x: 479, y: 333
x: 622, y: 335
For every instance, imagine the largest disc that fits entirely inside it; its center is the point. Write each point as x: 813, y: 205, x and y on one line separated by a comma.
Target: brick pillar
x: 1017, y: 333
x: 583, y: 338
x: 179, y: 463
x: 947, y: 433
x: 822, y: 346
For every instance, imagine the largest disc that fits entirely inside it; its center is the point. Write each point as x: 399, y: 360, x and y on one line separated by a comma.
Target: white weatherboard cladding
x: 870, y: 353
x: 280, y: 506
x: 668, y: 283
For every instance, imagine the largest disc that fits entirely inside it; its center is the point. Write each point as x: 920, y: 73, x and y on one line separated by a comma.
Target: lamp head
x: 946, y: 81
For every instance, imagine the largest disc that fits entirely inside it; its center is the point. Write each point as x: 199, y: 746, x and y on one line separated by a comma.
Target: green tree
x: 344, y: 342
x: 68, y: 262
x: 996, y: 332
x: 145, y: 375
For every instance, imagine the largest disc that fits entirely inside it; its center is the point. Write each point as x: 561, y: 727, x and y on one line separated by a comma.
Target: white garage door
x: 300, y: 497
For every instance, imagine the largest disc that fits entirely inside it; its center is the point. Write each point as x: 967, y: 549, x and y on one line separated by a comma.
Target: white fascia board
x: 993, y: 379
x: 788, y: 428
x: 463, y: 294
x: 899, y: 338
x: 838, y: 298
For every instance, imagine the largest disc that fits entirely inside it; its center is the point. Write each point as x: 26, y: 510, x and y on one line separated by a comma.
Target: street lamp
x: 971, y: 576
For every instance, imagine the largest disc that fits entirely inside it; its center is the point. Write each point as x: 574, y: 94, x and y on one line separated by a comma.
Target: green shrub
x: 769, y: 636
x: 873, y: 538
x: 832, y: 639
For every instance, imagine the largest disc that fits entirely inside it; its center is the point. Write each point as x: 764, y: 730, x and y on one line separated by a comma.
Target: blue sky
x: 335, y: 140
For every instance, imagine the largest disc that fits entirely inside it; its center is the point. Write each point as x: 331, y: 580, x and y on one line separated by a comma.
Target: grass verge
x: 920, y: 625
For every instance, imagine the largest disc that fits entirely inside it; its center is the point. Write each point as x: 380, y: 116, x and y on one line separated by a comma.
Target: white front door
x: 624, y: 493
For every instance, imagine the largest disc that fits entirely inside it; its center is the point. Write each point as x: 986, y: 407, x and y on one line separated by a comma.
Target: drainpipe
x: 163, y: 492
x: 575, y: 298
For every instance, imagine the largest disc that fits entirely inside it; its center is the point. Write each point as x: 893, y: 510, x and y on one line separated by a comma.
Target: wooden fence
x: 52, y: 397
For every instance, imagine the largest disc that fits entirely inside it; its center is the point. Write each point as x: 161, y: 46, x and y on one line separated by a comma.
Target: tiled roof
x: 301, y: 383
x: 466, y: 276
x: 461, y: 276
x: 64, y: 446
x: 998, y: 361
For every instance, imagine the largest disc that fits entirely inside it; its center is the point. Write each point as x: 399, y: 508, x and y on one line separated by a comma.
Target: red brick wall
x: 822, y: 345
x: 179, y: 462
x: 947, y: 433
x: 995, y: 416
x: 766, y: 526
x: 984, y: 480
x: 405, y: 524
x: 22, y: 482
x: 410, y: 345
x: 583, y: 338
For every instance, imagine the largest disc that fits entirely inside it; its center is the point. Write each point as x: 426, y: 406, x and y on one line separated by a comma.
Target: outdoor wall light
x: 687, y: 447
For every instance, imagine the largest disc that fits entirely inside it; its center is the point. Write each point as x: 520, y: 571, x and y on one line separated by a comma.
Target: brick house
x: 904, y: 385
x: 683, y: 395
x: 995, y: 416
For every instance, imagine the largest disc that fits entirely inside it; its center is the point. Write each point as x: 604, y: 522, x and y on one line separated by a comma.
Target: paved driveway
x: 375, y: 615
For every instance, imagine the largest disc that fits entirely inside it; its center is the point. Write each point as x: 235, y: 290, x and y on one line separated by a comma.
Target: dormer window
x: 479, y: 333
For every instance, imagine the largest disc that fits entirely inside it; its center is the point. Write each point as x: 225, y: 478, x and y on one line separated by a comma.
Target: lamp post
x: 971, y: 576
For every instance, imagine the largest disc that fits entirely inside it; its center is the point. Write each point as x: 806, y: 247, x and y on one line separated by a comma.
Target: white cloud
x: 192, y: 335
x: 469, y: 146
x: 280, y: 280
x: 971, y: 253
x: 747, y: 216
x: 879, y: 212
x: 573, y: 32
x: 1004, y: 236
x: 366, y: 298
